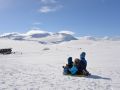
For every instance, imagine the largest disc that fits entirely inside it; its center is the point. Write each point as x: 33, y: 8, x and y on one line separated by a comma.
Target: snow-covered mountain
x: 88, y: 38
x: 58, y: 37
x: 45, y: 37
x: 40, y: 36
x: 37, y: 34
x: 13, y: 35
x: 114, y: 38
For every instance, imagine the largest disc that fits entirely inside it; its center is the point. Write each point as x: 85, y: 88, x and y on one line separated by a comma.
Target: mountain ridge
x: 43, y: 37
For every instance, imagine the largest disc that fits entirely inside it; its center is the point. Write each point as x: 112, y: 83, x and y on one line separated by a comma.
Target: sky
x: 83, y: 17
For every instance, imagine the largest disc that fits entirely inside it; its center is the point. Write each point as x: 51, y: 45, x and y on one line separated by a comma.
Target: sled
x: 77, y: 75
x: 6, y: 51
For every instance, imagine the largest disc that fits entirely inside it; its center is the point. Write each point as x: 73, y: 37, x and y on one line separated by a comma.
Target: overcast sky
x: 83, y: 17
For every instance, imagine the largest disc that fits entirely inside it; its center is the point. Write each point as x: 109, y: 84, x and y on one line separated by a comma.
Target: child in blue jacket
x: 68, y: 66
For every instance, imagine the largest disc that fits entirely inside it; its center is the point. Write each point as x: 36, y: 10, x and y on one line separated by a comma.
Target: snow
x: 39, y: 67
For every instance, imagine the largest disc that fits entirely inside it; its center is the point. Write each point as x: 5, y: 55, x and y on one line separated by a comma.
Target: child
x: 74, y: 68
x: 68, y: 66
x: 70, y: 62
x: 83, y: 64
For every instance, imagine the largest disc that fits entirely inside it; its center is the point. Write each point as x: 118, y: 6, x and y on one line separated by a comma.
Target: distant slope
x: 114, y: 38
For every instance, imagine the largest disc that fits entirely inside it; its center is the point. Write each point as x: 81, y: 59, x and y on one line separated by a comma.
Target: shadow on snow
x: 98, y: 77
x: 91, y: 76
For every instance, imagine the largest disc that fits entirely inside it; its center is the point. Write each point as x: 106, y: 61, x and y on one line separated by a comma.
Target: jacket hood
x: 70, y: 60
x: 82, y: 55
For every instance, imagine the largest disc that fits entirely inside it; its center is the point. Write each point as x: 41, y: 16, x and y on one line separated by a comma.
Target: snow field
x: 34, y: 68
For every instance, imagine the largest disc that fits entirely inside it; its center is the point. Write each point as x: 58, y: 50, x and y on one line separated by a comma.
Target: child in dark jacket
x: 68, y: 66
x: 83, y: 60
x: 83, y: 64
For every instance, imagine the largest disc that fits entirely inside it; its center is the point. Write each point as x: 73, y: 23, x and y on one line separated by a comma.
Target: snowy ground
x: 35, y: 68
